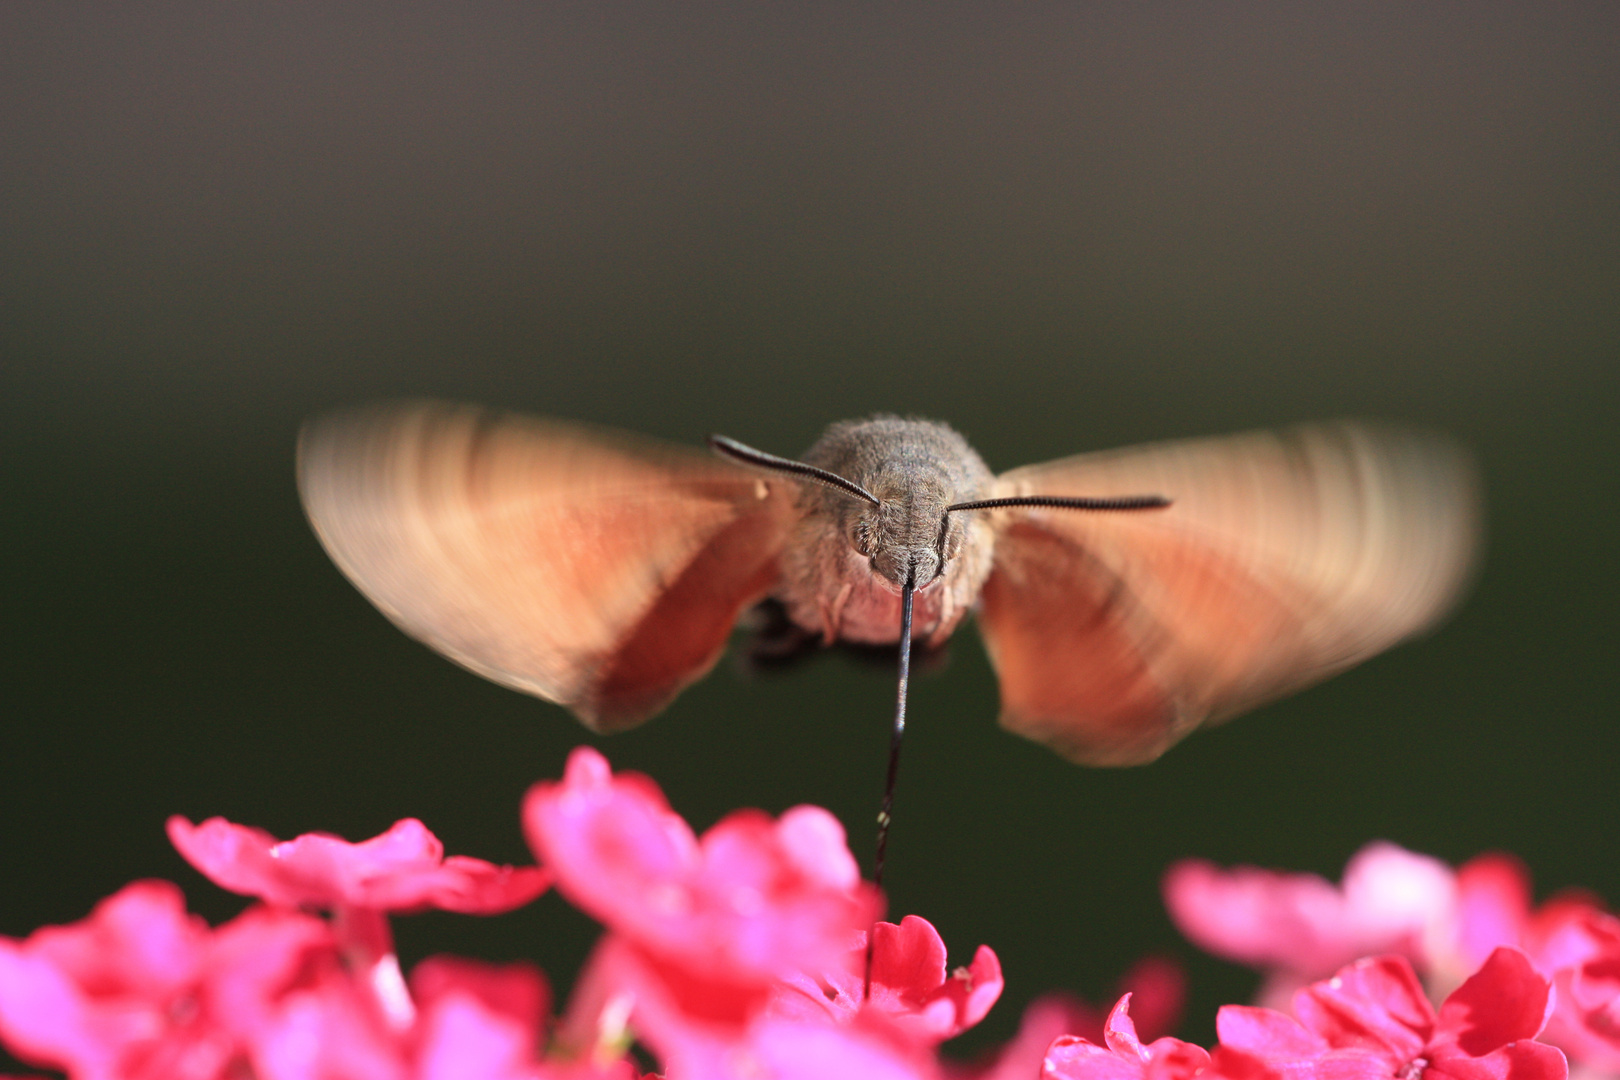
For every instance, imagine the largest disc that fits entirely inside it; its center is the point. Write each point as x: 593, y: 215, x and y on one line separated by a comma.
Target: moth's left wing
x: 589, y: 567
x: 1284, y: 557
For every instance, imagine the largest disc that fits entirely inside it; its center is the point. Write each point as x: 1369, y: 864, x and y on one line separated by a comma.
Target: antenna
x: 731, y: 448
x: 1069, y: 502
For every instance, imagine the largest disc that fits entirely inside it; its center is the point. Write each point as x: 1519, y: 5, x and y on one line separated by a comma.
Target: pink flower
x: 404, y: 869
x: 1156, y: 988
x: 1447, y: 923
x: 1493, y: 909
x: 911, y: 986
x: 1577, y: 945
x: 1123, y: 1057
x: 142, y: 990
x: 752, y: 900
x: 1299, y: 927
x: 783, y: 1050
x: 1372, y: 1021
x: 1571, y: 940
x: 702, y: 1026
x: 716, y: 1030
x: 703, y: 930
x: 477, y: 1019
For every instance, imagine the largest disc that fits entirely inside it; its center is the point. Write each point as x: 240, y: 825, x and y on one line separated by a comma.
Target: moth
x: 1125, y: 597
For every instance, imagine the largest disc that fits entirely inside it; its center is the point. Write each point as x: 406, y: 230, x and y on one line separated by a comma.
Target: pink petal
x: 755, y: 899
x: 1575, y: 943
x: 1157, y: 987
x: 1591, y: 1037
x: 911, y: 987
x: 1375, y: 1004
x: 1398, y: 896
x: 1522, y: 1060
x: 1392, y: 901
x: 1578, y: 944
x: 1253, y: 916
x: 1045, y: 1019
x: 1226, y: 1064
x: 463, y: 1036
x: 44, y: 1019
x: 814, y: 840
x: 1266, y: 1033
x: 517, y: 991
x: 1570, y: 932
x: 98, y: 995
x: 1070, y: 1058
x: 788, y: 1051
x: 717, y: 1031
x: 1504, y: 1001
x: 1125, y: 1058
x: 141, y: 990
x: 257, y: 957
x: 140, y: 939
x: 1493, y: 905
x: 1264, y: 1044
x: 670, y: 1006
x: 403, y: 869
x: 329, y: 1030
x: 1119, y: 1033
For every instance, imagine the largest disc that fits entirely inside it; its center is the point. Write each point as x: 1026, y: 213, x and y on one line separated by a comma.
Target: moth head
x: 907, y: 527
x: 900, y: 526
x: 906, y: 538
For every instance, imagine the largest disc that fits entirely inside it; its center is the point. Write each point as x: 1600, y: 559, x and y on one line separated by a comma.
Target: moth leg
x: 774, y: 640
x: 832, y: 614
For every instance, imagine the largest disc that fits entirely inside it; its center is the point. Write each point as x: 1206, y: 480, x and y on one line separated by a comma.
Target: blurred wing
x: 589, y: 568
x: 1285, y: 557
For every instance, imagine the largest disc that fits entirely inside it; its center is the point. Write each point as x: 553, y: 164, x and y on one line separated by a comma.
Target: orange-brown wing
x: 1285, y: 557
x: 590, y: 568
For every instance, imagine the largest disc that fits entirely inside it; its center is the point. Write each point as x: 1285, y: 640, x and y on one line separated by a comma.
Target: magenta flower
x: 403, y: 869
x: 1577, y: 945
x: 1299, y: 927
x: 783, y: 1050
x: 1123, y: 1055
x: 714, y: 1029
x: 473, y: 1021
x: 477, y: 1019
x: 141, y: 990
x: 1493, y: 908
x: 742, y: 955
x: 1371, y: 1021
x: 911, y: 985
x: 1156, y: 988
x: 752, y: 900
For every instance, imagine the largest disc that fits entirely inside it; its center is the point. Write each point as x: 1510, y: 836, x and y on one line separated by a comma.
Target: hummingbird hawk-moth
x: 1125, y: 597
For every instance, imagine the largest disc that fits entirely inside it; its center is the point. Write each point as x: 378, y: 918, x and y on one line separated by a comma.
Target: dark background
x: 1060, y: 227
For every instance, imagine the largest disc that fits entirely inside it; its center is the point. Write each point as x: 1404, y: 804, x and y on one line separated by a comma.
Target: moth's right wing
x: 591, y: 568
x: 1283, y: 558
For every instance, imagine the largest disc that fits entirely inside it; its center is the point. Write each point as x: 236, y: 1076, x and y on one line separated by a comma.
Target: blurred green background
x: 1060, y: 227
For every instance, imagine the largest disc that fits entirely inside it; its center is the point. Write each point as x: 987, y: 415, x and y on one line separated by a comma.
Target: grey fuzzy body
x: 844, y: 568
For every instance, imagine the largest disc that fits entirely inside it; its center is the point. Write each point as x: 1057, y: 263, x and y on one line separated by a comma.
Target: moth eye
x: 861, y: 539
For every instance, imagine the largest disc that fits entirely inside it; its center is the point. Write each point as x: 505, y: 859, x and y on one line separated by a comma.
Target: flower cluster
x: 753, y: 952
x: 1447, y: 923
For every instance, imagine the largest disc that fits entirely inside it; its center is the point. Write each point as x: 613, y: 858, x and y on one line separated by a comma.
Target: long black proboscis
x: 731, y: 448
x: 885, y: 811
x: 1069, y: 502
